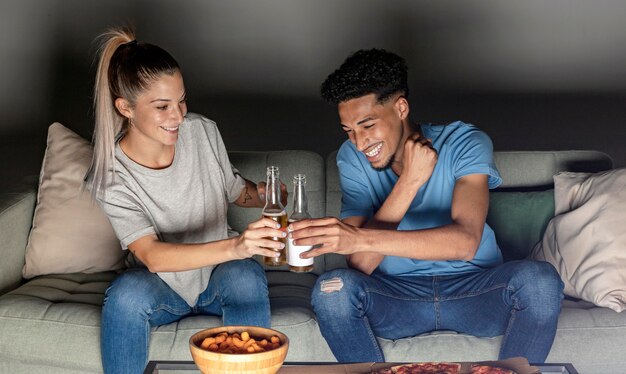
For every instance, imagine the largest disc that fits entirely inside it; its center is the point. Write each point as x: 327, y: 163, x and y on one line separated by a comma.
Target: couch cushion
x: 510, y: 217
x: 586, y: 240
x: 592, y: 338
x: 16, y: 214
x: 534, y: 169
x: 47, y: 310
x: 70, y: 232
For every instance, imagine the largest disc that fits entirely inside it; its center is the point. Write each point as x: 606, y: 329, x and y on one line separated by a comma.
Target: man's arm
x: 420, y: 159
x: 365, y: 262
x: 387, y: 218
x: 457, y: 241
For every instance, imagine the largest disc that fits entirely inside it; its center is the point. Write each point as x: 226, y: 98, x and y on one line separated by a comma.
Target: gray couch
x: 51, y: 323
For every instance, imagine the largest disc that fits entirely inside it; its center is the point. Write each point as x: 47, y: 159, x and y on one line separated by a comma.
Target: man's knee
x: 539, y: 275
x: 333, y: 281
x: 333, y: 290
x: 333, y: 284
x: 541, y: 288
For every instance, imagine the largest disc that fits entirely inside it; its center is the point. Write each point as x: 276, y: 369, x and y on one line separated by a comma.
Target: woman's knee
x: 130, y: 292
x: 243, y: 279
x: 240, y: 270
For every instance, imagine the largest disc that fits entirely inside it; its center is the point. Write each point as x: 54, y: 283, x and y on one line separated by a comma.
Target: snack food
x: 223, y: 342
x: 423, y: 368
x: 486, y: 369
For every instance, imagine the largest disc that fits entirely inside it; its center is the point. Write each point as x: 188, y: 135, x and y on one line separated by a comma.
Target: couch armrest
x: 16, y: 215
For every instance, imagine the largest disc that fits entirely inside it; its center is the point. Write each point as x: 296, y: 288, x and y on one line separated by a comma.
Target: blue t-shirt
x: 462, y: 149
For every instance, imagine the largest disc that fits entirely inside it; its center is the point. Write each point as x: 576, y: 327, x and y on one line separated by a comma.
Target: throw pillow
x: 586, y: 240
x: 70, y: 233
x: 519, y: 220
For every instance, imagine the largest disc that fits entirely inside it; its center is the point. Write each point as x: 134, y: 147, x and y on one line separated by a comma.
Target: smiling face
x: 376, y: 129
x: 157, y: 113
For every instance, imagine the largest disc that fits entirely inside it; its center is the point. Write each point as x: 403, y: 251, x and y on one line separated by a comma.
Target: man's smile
x: 374, y: 151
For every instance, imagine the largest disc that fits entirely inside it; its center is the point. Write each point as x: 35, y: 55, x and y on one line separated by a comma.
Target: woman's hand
x: 255, y: 240
x: 261, y: 189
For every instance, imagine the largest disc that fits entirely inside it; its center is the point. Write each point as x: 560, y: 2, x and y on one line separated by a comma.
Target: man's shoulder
x: 455, y: 134
x: 347, y: 151
x: 456, y: 128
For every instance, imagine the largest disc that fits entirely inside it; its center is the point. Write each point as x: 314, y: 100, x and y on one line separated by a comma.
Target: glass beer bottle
x: 297, y: 264
x: 275, y: 210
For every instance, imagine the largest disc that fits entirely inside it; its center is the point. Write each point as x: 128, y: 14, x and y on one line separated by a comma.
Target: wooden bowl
x: 221, y: 363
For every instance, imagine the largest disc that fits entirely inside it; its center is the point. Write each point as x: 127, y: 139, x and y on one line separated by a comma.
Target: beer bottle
x: 275, y: 210
x: 297, y: 264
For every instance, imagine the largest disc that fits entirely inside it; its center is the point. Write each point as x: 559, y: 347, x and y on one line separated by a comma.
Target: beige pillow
x: 70, y: 233
x: 586, y: 240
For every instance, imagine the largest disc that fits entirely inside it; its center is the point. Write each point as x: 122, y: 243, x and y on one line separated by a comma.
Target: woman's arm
x: 160, y: 256
x: 249, y: 197
x: 253, y: 195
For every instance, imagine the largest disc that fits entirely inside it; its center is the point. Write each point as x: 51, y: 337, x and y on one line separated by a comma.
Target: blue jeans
x: 520, y: 300
x: 138, y: 300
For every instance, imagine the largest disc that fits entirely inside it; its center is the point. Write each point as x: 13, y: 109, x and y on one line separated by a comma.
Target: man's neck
x: 409, y: 129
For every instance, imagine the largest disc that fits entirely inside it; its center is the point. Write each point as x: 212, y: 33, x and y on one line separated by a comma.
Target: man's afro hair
x: 365, y: 72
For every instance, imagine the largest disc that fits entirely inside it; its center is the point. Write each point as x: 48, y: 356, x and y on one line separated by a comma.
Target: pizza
x: 383, y: 371
x: 423, y: 368
x: 486, y: 369
x: 441, y: 368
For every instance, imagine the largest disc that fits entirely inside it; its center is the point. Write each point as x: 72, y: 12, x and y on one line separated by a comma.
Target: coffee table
x: 188, y: 367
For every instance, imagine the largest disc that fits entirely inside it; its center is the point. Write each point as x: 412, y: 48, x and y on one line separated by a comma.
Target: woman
x: 163, y: 178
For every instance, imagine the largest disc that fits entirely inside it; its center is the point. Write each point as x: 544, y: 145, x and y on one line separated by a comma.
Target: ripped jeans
x: 520, y: 300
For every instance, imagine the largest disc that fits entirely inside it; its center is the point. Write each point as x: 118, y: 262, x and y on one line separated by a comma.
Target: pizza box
x: 519, y: 365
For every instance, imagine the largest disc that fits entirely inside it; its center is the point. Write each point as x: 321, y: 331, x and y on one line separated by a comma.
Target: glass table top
x: 188, y: 367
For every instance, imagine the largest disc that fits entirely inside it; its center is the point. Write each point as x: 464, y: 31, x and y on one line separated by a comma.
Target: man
x: 420, y: 255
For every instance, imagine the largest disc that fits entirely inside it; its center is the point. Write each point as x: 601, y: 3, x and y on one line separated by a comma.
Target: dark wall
x: 534, y: 74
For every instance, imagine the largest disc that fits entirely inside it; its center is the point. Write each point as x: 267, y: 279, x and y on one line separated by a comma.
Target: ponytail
x: 125, y: 69
x: 108, y: 123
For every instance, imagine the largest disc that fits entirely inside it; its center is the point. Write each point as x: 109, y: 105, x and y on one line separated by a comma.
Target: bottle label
x: 293, y: 254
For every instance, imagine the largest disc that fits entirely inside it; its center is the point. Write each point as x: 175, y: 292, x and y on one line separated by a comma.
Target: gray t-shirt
x: 183, y: 203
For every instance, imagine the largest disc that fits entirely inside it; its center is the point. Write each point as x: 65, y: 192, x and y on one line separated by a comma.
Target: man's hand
x: 328, y: 235
x: 418, y: 160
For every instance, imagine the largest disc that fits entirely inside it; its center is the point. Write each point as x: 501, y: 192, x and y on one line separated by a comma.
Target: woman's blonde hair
x: 125, y: 69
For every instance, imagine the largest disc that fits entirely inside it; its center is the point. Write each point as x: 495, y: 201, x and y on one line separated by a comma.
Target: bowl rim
x: 281, y: 335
